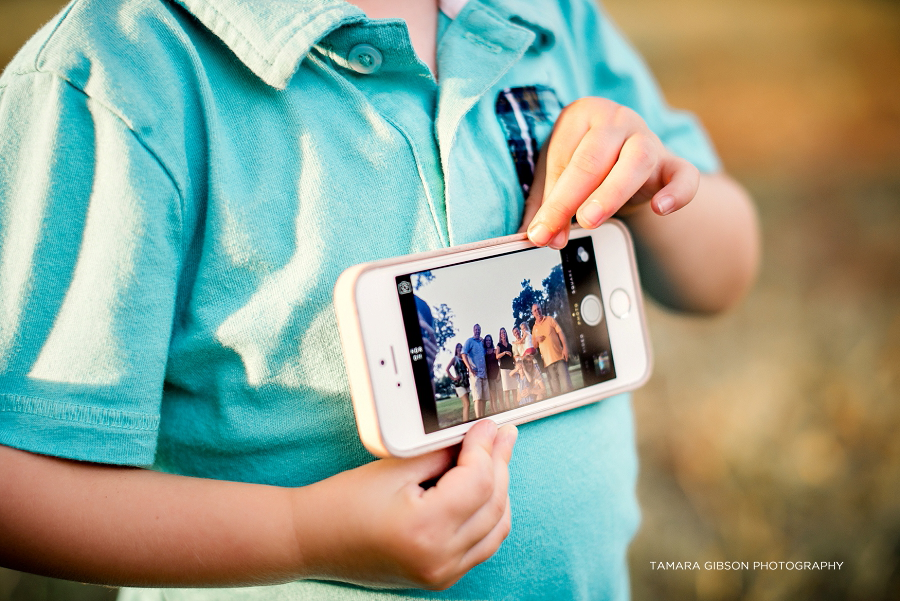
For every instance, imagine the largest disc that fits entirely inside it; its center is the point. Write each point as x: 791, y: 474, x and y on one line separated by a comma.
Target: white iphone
x: 498, y: 329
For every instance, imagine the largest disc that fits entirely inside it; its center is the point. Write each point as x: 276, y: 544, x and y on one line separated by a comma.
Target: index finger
x: 587, y: 168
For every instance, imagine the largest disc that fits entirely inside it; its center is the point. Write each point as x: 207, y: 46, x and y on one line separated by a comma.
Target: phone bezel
x: 386, y: 403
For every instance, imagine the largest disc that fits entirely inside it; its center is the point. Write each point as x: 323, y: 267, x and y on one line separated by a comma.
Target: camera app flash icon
x: 404, y: 287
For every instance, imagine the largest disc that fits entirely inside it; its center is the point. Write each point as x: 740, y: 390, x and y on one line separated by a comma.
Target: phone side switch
x: 620, y: 303
x: 394, y: 359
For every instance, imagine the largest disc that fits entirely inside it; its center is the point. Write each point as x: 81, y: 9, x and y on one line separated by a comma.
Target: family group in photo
x: 511, y: 374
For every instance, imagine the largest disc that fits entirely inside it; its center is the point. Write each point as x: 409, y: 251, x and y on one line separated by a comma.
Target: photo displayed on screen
x: 495, y: 334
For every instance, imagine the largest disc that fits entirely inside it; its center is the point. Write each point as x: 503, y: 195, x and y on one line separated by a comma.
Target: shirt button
x: 365, y: 59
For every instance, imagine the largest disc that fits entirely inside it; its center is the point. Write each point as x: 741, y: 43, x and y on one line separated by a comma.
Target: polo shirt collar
x: 524, y: 14
x: 271, y: 37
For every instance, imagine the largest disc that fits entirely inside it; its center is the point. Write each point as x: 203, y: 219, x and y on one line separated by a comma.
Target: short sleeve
x: 620, y: 74
x: 90, y: 245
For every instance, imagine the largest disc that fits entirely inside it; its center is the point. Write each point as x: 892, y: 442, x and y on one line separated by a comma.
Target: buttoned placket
x: 477, y: 49
x: 377, y: 59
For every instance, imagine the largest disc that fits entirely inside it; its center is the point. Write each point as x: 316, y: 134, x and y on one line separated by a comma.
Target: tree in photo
x: 444, y: 329
x: 443, y: 387
x: 521, y: 305
x: 422, y: 278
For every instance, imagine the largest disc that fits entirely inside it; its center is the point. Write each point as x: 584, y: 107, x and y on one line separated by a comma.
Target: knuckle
x: 645, y: 154
x: 498, y: 506
x: 422, y: 543
x: 555, y: 213
x: 624, y: 117
x: 432, y: 569
x: 435, y: 577
x: 589, y: 162
x: 555, y: 170
x: 691, y: 172
x: 487, y: 550
x: 503, y: 530
x: 443, y: 584
x: 483, y: 486
x: 592, y: 107
x: 507, y: 524
x: 683, y: 174
x: 570, y: 108
x: 595, y: 104
x: 607, y: 110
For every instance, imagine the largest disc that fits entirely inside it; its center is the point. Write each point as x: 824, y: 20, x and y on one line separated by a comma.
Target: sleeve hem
x: 78, y: 432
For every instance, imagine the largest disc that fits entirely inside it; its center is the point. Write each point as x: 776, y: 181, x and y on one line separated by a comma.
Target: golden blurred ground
x: 770, y: 433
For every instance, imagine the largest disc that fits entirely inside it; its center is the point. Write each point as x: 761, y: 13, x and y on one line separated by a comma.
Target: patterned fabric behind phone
x: 527, y: 115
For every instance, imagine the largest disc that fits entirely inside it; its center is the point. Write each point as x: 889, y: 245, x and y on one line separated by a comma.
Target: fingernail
x: 559, y: 240
x: 512, y: 433
x: 492, y: 429
x: 506, y: 436
x: 540, y: 234
x: 665, y: 205
x: 592, y: 213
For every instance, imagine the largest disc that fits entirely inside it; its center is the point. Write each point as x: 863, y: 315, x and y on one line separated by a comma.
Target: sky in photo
x: 482, y: 292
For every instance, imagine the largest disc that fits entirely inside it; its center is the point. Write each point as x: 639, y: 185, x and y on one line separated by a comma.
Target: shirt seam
x: 431, y: 201
x: 121, y: 118
x: 79, y: 414
x: 39, y: 54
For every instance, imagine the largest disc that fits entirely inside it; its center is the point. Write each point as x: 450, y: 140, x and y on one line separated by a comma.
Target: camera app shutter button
x: 620, y: 303
x: 591, y: 310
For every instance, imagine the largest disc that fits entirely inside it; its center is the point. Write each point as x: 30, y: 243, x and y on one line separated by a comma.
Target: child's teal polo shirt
x: 182, y: 183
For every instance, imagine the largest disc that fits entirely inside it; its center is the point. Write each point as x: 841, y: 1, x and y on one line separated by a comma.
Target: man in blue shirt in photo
x: 473, y: 355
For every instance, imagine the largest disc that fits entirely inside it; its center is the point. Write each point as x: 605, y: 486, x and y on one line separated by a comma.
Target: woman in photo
x: 531, y: 384
x: 518, y: 343
x: 492, y: 365
x: 460, y: 380
x: 507, y: 365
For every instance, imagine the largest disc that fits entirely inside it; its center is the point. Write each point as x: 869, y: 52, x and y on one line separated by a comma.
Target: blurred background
x: 771, y: 433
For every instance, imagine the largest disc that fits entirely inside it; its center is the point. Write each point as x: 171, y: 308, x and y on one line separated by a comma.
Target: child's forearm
x: 373, y: 525
x: 127, y: 526
x: 705, y: 256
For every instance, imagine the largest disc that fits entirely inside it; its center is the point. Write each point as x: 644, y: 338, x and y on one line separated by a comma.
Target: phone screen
x: 491, y: 335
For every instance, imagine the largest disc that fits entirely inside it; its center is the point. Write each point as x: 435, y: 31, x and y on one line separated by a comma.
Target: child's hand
x: 379, y: 527
x: 602, y: 158
x: 373, y: 525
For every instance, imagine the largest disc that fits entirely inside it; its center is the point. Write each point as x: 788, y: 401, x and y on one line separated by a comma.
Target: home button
x: 620, y: 303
